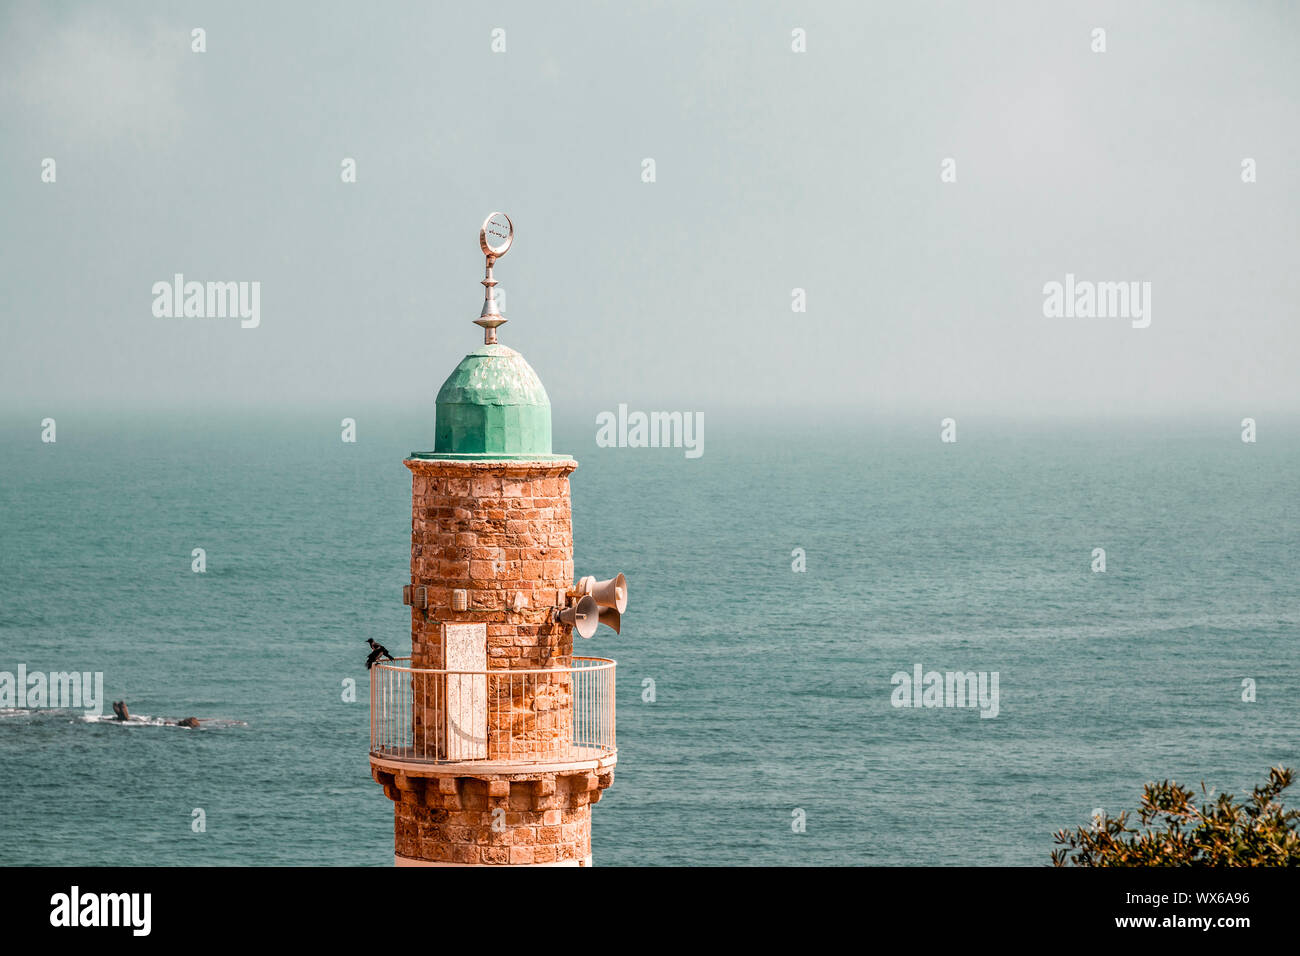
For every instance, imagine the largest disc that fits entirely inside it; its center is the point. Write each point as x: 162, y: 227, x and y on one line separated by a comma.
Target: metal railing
x: 538, y: 715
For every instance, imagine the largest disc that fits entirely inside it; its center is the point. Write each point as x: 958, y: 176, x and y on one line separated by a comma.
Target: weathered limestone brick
x: 473, y: 833
x: 501, y: 532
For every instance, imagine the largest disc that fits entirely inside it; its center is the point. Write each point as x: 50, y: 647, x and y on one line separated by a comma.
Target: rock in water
x: 120, y: 711
x: 188, y: 722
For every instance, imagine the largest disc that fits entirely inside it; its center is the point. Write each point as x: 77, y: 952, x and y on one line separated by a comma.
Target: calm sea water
x: 772, y: 687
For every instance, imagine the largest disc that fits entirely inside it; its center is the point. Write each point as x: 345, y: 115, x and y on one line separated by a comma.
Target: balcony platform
x: 503, y: 724
x: 400, y: 760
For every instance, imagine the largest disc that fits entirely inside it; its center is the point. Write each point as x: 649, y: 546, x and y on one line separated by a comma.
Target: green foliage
x: 1175, y: 832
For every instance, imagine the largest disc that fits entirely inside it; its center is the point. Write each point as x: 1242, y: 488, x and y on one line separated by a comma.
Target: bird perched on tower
x: 377, y: 653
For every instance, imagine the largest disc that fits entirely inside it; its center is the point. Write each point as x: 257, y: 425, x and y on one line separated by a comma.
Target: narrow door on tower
x: 465, y: 647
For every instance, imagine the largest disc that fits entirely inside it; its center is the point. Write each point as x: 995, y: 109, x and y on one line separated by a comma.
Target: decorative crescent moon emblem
x: 494, y: 238
x: 496, y: 235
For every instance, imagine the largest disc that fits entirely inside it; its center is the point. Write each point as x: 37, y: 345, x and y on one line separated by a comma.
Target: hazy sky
x: 775, y: 170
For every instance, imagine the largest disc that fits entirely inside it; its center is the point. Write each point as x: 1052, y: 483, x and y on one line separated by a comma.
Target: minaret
x: 493, y: 741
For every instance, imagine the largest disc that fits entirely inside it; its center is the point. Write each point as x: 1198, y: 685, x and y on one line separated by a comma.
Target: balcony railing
x: 541, y: 715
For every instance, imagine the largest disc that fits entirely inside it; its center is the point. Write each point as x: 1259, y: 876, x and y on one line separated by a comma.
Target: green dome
x: 493, y: 406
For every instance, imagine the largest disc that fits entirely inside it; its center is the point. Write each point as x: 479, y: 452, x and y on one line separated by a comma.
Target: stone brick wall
x: 546, y: 819
x: 496, y: 530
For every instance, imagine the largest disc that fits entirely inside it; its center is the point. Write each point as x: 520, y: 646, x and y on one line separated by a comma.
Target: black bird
x: 377, y: 653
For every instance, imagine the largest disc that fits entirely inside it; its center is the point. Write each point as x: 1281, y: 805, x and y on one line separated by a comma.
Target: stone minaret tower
x: 493, y: 741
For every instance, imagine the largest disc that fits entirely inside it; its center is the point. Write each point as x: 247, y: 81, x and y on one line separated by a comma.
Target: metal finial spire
x: 494, y: 239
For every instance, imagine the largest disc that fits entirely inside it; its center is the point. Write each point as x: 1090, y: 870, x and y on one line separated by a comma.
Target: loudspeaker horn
x: 583, y: 617
x: 610, y: 617
x: 611, y: 593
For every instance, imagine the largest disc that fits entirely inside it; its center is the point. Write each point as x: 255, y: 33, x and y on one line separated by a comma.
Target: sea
x: 779, y: 583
